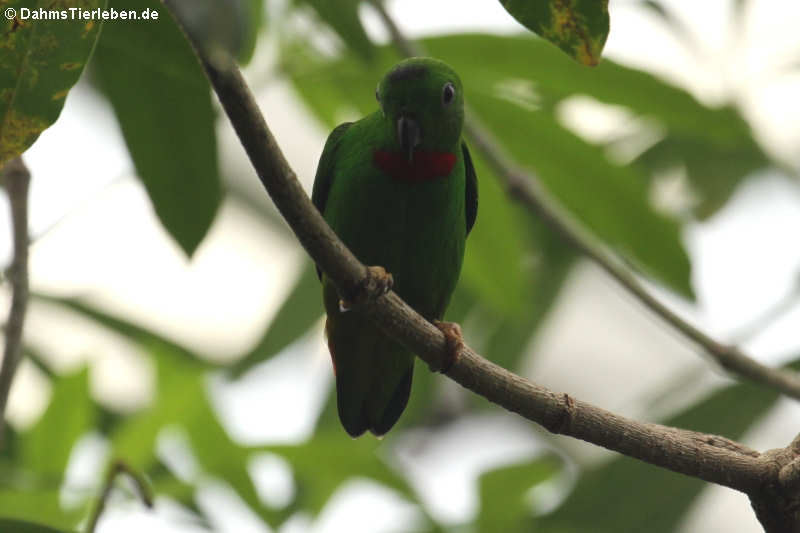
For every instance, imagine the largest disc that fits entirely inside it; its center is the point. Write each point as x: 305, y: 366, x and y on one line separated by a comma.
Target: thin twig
x: 119, y: 467
x: 16, y: 178
x: 712, y: 458
x: 525, y: 188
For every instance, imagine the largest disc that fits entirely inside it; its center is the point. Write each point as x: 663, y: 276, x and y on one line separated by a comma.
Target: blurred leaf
x: 503, y: 505
x: 32, y: 492
x: 714, y: 172
x: 253, y: 13
x: 611, y: 200
x: 330, y: 458
x: 41, y: 61
x: 342, y: 16
x: 18, y: 526
x: 635, y: 496
x: 126, y: 328
x: 35, y: 504
x: 231, y: 25
x: 300, y: 310
x: 578, y: 27
x: 494, y: 263
x: 182, y: 400
x: 161, y: 98
x: 46, y: 447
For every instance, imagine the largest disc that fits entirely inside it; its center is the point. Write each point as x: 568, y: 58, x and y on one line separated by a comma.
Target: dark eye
x: 448, y: 93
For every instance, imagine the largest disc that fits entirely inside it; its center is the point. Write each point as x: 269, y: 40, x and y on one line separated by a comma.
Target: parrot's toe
x: 376, y: 283
x: 455, y: 343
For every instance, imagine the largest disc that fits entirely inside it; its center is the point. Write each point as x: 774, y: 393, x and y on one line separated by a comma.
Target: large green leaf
x: 301, y: 309
x: 161, y: 98
x: 635, y: 496
x: 46, y: 447
x: 41, y: 504
x: 41, y: 60
x: 342, y: 16
x: 30, y: 487
x: 578, y: 27
x: 18, y: 526
x: 232, y: 26
x: 330, y: 458
x: 503, y: 494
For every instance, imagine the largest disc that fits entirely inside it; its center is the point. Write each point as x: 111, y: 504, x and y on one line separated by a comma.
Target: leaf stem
x: 117, y: 468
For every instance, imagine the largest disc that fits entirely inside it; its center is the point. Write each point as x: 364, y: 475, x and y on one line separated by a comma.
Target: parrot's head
x: 423, y: 103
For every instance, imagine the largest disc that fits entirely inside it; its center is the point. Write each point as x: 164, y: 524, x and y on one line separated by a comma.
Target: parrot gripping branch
x: 711, y: 458
x: 525, y: 188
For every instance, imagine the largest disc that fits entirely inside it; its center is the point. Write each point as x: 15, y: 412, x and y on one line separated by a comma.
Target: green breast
x: 415, y: 230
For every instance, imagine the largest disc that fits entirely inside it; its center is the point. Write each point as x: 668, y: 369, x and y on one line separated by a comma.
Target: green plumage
x: 399, y: 189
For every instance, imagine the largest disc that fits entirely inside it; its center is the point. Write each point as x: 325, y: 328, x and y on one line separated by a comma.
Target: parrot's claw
x: 455, y: 343
x: 376, y: 283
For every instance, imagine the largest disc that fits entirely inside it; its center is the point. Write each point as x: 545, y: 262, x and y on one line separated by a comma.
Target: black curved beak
x: 408, y: 134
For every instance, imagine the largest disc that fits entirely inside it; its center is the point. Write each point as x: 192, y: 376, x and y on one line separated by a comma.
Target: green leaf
x: 35, y: 504
x: 301, y: 309
x: 161, y: 98
x: 626, y: 495
x: 330, y: 458
x: 713, y: 171
x: 342, y: 16
x: 578, y: 27
x: 503, y: 504
x: 253, y: 20
x: 19, y: 526
x: 231, y: 26
x: 41, y: 61
x: 46, y: 447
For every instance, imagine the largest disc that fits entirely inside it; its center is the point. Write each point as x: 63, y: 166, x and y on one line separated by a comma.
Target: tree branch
x: 711, y: 458
x: 525, y: 188
x: 118, y: 467
x: 16, y: 178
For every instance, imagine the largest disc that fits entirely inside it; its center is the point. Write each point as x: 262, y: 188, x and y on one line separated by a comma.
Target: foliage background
x: 208, y: 373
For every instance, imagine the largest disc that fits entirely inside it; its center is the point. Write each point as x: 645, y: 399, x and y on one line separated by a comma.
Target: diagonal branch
x: 16, y: 178
x: 525, y: 188
x: 711, y: 458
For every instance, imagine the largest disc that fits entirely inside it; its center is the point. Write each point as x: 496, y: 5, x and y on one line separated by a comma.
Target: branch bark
x: 15, y: 177
x: 711, y: 458
x: 525, y: 188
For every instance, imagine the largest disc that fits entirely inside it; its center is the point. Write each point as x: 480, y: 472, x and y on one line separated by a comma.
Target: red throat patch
x: 425, y: 166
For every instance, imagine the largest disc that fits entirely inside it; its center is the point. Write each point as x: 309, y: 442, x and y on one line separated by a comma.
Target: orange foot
x: 377, y: 283
x: 455, y: 343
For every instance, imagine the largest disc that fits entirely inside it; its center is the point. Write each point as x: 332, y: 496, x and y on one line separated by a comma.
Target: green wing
x: 471, y: 204
x: 324, y: 176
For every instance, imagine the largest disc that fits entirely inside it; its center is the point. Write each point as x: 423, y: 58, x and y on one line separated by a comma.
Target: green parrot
x: 399, y: 188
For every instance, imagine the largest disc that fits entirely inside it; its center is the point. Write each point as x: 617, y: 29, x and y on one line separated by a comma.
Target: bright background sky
x: 96, y: 236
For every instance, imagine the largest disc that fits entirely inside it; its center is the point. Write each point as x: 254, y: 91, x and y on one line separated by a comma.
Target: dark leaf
x: 503, y: 495
x: 161, y: 98
x: 41, y: 60
x: 17, y: 526
x: 342, y: 16
x: 578, y: 27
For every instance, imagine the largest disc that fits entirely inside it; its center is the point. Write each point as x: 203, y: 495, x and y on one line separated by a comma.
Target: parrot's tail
x: 373, y: 379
